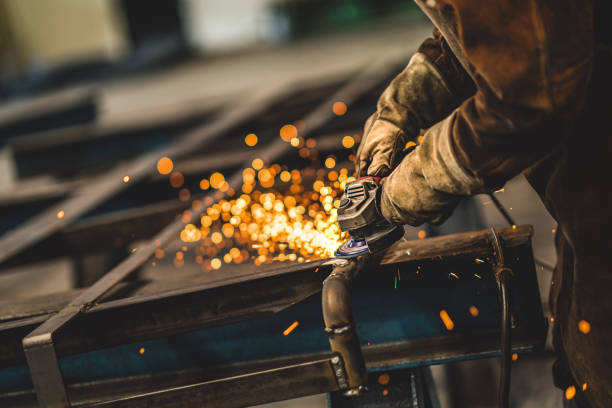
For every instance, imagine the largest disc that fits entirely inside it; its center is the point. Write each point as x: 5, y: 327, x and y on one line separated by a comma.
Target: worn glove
x: 429, y: 182
x: 417, y: 98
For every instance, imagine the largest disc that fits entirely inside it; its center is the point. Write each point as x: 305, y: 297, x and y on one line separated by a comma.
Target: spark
x: 339, y: 108
x: 514, y: 356
x: 384, y: 379
x: 570, y: 392
x: 478, y: 260
x: 126, y: 179
x: 584, y: 387
x: 474, y: 311
x: 409, y: 144
x: 141, y: 351
x: 385, y: 392
x: 448, y: 322
x: 478, y: 276
x: 330, y: 162
x: 584, y: 327
x: 289, y: 329
x: 421, y: 234
x: 288, y: 132
x: 454, y: 275
x: 165, y: 165
x: 348, y: 142
x: 60, y: 214
x: 204, y: 184
x: 250, y: 139
x: 177, y: 179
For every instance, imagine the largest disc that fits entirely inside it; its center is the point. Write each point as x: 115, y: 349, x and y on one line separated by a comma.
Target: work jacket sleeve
x: 530, y: 61
x: 428, y: 89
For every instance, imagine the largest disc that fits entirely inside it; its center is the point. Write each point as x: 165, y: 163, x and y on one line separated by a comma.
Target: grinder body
x: 360, y: 215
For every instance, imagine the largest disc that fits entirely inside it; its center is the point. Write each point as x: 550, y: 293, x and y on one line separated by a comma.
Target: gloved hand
x: 381, y: 147
x: 429, y: 182
x: 416, y: 99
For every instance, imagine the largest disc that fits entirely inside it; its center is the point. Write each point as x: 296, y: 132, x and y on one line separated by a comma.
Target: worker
x: 505, y: 87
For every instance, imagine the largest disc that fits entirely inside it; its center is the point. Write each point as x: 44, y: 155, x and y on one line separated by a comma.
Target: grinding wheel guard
x: 359, y: 214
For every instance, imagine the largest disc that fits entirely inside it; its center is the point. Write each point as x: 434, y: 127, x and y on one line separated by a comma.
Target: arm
x: 532, y: 63
x: 429, y: 88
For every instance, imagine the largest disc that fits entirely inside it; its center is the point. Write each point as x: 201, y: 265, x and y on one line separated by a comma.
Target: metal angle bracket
x: 39, y: 349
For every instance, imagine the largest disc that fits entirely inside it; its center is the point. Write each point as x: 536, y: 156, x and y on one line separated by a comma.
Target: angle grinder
x: 359, y: 214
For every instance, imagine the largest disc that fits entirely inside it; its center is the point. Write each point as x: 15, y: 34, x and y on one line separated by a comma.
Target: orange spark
x: 126, y: 179
x: 60, y: 214
x: 339, y: 108
x: 165, y: 165
x: 421, y: 234
x: 384, y: 379
x: 289, y: 329
x: 448, y: 322
x: 570, y: 392
x: 250, y: 139
x: 141, y: 351
x: 584, y: 327
x: 288, y: 132
x: 514, y: 356
x: 474, y: 311
x: 584, y: 387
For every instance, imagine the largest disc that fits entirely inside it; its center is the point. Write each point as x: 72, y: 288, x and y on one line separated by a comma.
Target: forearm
x: 428, y: 89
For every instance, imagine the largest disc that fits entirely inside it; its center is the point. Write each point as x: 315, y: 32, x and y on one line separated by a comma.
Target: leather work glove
x: 429, y: 182
x: 417, y: 98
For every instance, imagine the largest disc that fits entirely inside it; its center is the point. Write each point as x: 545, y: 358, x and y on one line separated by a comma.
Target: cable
x: 502, y: 209
x: 503, y: 396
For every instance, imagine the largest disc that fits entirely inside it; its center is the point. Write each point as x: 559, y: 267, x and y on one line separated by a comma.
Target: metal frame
x: 39, y: 345
x: 168, y: 315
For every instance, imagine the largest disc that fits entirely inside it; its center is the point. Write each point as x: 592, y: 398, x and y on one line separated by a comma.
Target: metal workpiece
x: 340, y: 325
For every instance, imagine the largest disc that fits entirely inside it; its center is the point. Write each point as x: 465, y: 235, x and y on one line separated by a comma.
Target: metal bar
x: 284, y: 383
x: 43, y: 335
x: 121, y: 320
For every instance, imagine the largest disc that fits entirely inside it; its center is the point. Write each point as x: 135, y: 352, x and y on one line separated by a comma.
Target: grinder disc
x: 352, y: 249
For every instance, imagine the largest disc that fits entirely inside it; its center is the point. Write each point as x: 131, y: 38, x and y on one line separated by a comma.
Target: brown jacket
x: 542, y: 105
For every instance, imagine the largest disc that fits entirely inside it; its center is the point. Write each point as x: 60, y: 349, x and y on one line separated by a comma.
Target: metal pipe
x: 340, y: 325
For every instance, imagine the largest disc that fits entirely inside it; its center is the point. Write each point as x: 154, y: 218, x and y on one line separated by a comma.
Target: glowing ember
x: 177, y: 179
x: 250, y: 139
x: 448, y: 322
x: 126, y: 179
x: 289, y: 329
x: 384, y: 379
x: 141, y: 351
x: 288, y: 132
x: 165, y: 165
x: 570, y: 392
x: 204, y: 184
x: 330, y: 162
x: 474, y: 311
x: 60, y: 214
x: 421, y: 234
x: 584, y: 387
x: 409, y: 144
x: 584, y: 327
x: 339, y: 108
x: 514, y: 356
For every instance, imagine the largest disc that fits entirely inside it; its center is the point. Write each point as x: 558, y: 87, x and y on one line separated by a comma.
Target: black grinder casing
x: 359, y: 214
